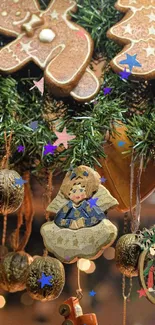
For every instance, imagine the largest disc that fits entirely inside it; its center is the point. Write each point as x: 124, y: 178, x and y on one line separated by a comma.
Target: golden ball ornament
x: 51, y: 269
x: 13, y: 271
x: 11, y: 195
x: 127, y: 254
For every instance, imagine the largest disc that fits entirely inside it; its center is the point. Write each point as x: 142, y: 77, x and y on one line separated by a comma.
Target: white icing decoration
x: 151, y: 16
x: 83, y: 64
x: 151, y: 30
x: 132, y: 1
x: 46, y: 35
x: 150, y: 50
x: 15, y: 1
x: 64, y: 17
x: 18, y: 13
x: 21, y: 21
x: 127, y: 29
x: 26, y: 46
x: 54, y: 14
x: 4, y: 13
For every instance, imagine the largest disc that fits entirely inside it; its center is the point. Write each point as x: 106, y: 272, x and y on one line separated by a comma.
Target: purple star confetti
x: 107, y: 90
x: 20, y: 148
x: 92, y: 293
x: 121, y: 143
x: 49, y: 148
x: 124, y: 74
x: 103, y: 179
x: 45, y: 280
x: 92, y: 202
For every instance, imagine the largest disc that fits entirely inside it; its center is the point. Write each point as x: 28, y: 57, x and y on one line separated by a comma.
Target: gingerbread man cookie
x: 137, y: 32
x: 48, y: 38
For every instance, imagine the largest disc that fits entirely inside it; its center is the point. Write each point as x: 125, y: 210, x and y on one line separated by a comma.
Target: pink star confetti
x: 81, y: 34
x: 63, y: 138
x: 142, y: 293
x: 39, y: 84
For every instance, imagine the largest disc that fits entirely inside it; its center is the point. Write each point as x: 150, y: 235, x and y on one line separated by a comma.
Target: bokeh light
x: 26, y: 299
x: 83, y: 264
x: 2, y: 301
x: 109, y: 253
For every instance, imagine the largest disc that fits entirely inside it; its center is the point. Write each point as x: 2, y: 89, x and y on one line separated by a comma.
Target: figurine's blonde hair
x: 91, y: 182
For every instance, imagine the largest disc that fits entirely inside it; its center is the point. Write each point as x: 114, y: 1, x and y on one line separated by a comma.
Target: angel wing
x: 57, y: 203
x: 105, y: 199
x: 14, y: 13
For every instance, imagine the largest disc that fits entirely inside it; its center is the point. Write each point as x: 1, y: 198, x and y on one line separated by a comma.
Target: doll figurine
x: 80, y: 209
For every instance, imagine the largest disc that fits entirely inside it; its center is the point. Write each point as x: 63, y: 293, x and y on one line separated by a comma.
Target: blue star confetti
x: 49, y: 148
x: 103, y: 179
x: 45, y: 280
x: 33, y: 125
x: 131, y: 61
x: 107, y: 90
x: 124, y: 74
x: 121, y: 143
x: 92, y: 293
x: 20, y: 148
x: 92, y: 202
x: 20, y: 181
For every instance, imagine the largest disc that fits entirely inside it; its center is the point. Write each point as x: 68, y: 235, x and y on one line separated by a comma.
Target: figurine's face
x: 77, y: 193
x: 152, y: 250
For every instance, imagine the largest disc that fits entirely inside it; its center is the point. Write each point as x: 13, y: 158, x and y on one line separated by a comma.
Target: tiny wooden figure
x: 73, y: 314
x: 80, y: 227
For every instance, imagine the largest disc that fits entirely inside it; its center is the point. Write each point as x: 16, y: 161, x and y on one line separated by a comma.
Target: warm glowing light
x: 109, y: 253
x: 2, y: 301
x: 83, y: 264
x: 26, y: 299
x: 92, y: 268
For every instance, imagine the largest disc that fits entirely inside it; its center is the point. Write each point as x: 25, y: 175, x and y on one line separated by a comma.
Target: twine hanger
x: 26, y: 211
x: 79, y: 293
x: 47, y: 199
x: 135, y: 223
x: 4, y: 165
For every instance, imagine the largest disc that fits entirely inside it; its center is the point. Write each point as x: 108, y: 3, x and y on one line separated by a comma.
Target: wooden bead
x: 50, y: 267
x: 11, y: 195
x: 13, y: 271
x: 127, y: 254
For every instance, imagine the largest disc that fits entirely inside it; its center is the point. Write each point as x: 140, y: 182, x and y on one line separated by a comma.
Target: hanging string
x: 138, y: 198
x: 132, y: 166
x: 4, y: 229
x: 26, y: 212
x: 5, y: 159
x: 79, y: 293
x: 4, y: 165
x: 47, y: 196
x: 125, y: 296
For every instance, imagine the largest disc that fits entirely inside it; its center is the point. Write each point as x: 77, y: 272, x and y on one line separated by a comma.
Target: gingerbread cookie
x: 137, y: 32
x: 48, y: 38
x: 124, y: 5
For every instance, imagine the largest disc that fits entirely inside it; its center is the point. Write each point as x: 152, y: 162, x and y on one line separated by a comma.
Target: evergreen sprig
x: 97, y: 17
x: 88, y: 122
